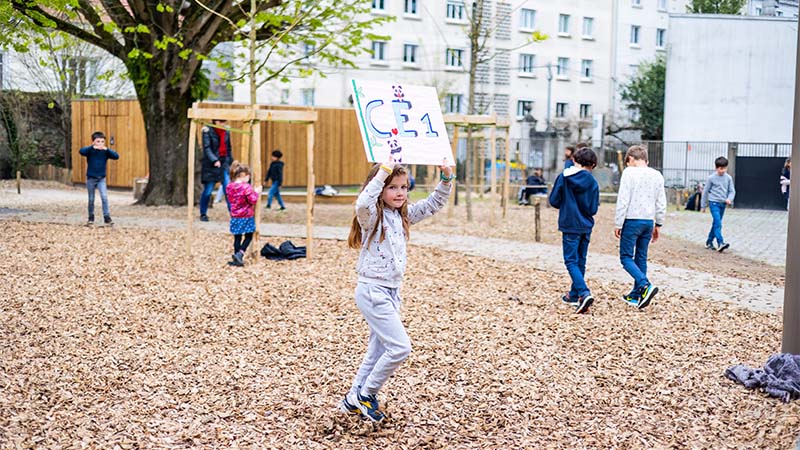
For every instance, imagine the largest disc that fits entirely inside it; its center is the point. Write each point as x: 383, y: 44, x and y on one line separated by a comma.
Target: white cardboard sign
x: 402, y: 120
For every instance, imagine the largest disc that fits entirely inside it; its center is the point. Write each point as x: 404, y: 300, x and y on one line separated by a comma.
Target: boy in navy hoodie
x: 97, y: 156
x: 576, y: 196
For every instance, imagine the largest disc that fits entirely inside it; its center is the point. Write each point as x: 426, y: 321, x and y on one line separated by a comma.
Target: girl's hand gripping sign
x: 403, y: 121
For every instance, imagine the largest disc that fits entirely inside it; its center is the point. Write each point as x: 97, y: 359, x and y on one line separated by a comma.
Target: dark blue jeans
x: 274, y: 191
x: 633, y: 244
x: 208, y: 189
x: 575, y: 247
x: 93, y: 183
x: 717, y: 212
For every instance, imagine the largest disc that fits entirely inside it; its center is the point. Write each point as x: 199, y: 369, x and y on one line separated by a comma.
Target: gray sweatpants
x: 389, y: 344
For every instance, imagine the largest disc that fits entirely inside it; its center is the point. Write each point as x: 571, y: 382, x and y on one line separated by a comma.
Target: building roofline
x: 732, y: 17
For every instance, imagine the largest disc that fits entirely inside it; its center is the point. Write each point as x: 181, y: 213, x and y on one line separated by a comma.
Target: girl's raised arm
x: 435, y: 201
x: 366, y: 203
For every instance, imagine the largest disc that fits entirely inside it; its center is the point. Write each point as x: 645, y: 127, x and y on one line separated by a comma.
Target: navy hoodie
x: 576, y: 196
x: 96, y: 160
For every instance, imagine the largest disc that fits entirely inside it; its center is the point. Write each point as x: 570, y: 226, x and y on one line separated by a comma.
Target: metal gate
x: 757, y: 182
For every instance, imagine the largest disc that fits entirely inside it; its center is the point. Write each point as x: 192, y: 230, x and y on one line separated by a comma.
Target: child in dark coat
x: 576, y: 195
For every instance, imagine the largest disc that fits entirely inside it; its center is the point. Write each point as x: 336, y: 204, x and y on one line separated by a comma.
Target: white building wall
x: 434, y: 33
x: 730, y: 78
x: 782, y: 8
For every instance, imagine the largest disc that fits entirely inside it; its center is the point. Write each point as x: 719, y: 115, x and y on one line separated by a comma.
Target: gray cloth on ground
x: 779, y: 378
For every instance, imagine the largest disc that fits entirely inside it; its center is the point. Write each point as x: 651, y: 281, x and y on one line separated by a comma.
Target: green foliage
x: 716, y: 6
x: 645, y: 94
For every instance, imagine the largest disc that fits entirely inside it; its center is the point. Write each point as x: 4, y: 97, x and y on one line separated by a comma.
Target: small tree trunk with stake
x: 19, y: 182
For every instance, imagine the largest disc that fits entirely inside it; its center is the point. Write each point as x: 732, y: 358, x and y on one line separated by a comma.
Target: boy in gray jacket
x: 718, y: 194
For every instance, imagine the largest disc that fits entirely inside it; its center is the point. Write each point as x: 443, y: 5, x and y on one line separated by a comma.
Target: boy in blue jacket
x: 97, y: 156
x: 576, y: 195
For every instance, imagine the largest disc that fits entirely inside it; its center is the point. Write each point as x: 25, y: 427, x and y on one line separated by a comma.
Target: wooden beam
x: 255, y: 157
x: 245, y: 115
x: 453, y: 183
x: 310, y: 191
x: 493, y: 180
x: 190, y: 186
x: 470, y: 119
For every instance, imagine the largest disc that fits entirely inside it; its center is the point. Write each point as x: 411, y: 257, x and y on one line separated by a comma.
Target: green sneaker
x: 648, y: 292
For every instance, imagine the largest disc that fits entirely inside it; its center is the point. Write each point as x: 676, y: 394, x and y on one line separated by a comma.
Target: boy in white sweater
x: 641, y: 209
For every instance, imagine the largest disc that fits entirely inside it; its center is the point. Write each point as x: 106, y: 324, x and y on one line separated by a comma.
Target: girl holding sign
x: 380, y: 231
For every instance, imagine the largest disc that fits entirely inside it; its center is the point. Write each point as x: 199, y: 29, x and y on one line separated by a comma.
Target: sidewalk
x: 751, y: 295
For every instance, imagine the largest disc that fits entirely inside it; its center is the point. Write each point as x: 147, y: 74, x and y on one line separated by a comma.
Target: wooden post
x: 190, y: 186
x: 310, y: 191
x: 537, y: 221
x: 482, y: 166
x: 255, y: 156
x: 508, y: 172
x: 493, y: 181
x: 454, y: 183
x: 19, y: 182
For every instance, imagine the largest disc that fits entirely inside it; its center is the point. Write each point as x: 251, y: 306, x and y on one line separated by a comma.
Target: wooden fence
x: 49, y: 173
x: 338, y: 155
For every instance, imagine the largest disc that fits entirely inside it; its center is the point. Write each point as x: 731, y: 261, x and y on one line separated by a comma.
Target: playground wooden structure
x: 466, y: 120
x: 255, y: 116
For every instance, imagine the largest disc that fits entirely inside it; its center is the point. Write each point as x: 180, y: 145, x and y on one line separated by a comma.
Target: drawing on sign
x: 404, y: 121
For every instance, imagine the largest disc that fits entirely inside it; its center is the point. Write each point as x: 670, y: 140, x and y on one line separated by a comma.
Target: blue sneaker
x: 368, y: 405
x: 648, y: 291
x: 348, y: 404
x: 569, y: 300
x: 631, y: 300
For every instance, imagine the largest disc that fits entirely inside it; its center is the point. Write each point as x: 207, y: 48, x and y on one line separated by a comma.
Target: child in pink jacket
x: 242, y: 199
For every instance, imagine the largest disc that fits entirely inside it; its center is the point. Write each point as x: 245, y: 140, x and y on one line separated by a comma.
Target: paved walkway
x: 755, y: 296
x: 753, y: 233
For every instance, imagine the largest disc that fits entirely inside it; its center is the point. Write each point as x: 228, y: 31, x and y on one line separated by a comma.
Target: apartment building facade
x: 591, y: 49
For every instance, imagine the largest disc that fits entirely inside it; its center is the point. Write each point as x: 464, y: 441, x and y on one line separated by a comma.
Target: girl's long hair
x: 238, y: 168
x: 356, y: 239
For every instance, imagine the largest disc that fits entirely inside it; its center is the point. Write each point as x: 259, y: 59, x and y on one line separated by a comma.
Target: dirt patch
x: 113, y: 337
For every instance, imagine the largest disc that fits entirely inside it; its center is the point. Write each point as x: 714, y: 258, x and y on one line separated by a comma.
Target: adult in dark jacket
x: 576, y: 195
x: 97, y: 156
x: 217, y: 158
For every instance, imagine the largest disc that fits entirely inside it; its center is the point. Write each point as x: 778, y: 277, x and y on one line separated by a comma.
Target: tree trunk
x: 164, y: 111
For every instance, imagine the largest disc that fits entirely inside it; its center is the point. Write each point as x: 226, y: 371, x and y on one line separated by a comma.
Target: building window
x: 308, y: 49
x: 527, y: 63
x: 411, y: 7
x: 563, y: 24
x: 527, y: 19
x: 379, y: 5
x: 634, y: 69
x: 410, y: 53
x: 661, y: 37
x: 524, y: 107
x: 635, y: 34
x: 452, y: 103
x: 758, y: 10
x: 588, y: 27
x: 378, y: 51
x: 586, y: 69
x: 455, y: 9
x: 562, y: 68
x: 308, y: 97
x: 561, y: 110
x: 585, y: 111
x: 453, y: 57
x: 284, y: 96
x: 80, y: 71
x: 636, y: 3
x: 778, y: 13
x: 662, y: 5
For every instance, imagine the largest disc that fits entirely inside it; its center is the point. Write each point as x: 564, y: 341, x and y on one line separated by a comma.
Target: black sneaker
x: 204, y: 218
x: 90, y: 223
x: 648, y: 292
x: 584, y: 303
x: 283, y: 208
x: 368, y: 405
x: 107, y: 220
x: 569, y: 300
x: 236, y: 260
x: 723, y: 247
x: 269, y: 207
x: 710, y: 246
x: 348, y: 405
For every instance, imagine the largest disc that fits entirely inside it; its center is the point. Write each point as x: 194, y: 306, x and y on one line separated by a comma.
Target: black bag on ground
x: 287, y: 250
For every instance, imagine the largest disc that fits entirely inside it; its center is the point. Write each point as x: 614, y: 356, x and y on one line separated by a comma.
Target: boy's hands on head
x: 99, y: 144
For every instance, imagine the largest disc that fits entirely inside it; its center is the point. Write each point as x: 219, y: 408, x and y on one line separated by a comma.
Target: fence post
x: 686, y: 166
x: 733, y: 150
x: 537, y: 221
x: 19, y: 182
